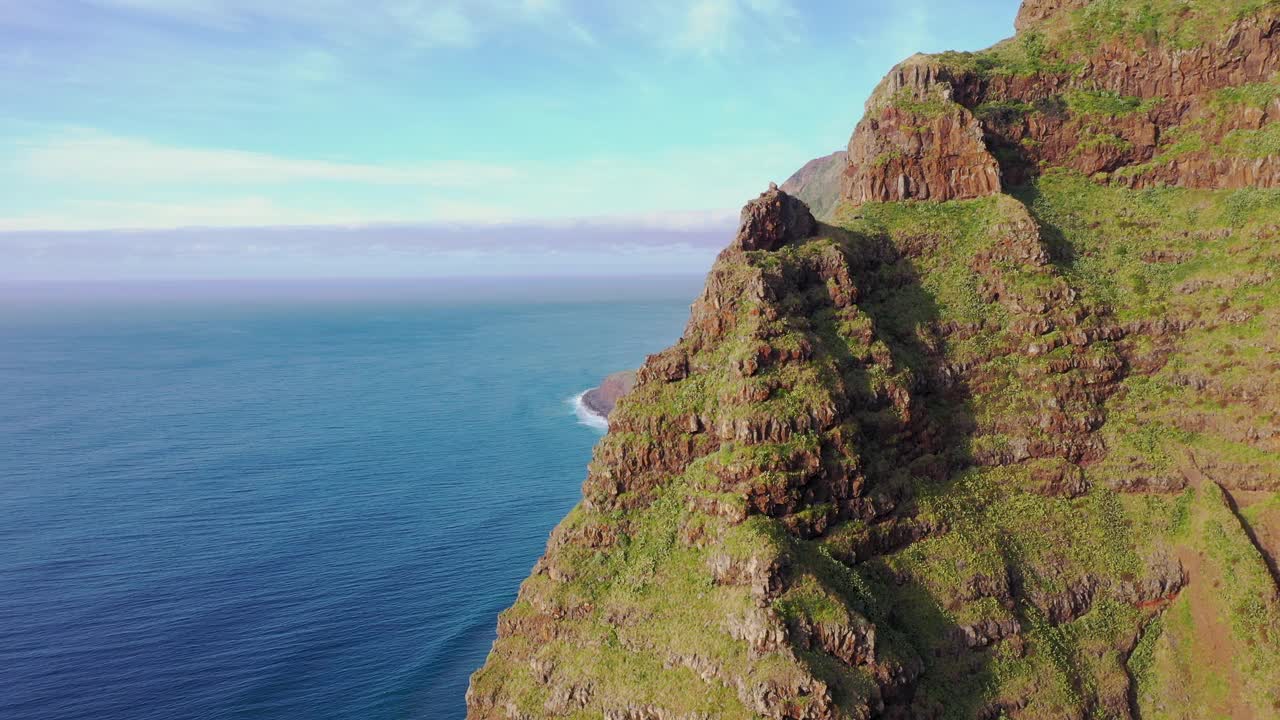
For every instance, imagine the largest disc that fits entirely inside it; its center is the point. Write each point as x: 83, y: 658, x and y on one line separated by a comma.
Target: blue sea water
x: 287, y: 504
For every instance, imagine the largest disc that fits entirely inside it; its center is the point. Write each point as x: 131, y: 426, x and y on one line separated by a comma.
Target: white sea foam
x: 586, y: 416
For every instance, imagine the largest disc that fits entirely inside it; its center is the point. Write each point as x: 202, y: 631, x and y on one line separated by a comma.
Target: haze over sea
x: 288, y: 501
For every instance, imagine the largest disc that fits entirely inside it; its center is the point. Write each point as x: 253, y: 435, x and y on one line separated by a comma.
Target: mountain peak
x: 773, y: 220
x: 1136, y: 96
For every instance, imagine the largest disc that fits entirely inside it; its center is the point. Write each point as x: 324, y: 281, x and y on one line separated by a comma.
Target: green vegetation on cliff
x: 995, y: 562
x: 1015, y: 456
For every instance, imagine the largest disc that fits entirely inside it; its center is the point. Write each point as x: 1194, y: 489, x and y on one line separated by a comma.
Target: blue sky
x: 195, y: 124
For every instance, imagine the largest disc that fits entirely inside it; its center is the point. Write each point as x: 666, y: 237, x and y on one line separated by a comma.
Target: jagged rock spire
x: 773, y: 220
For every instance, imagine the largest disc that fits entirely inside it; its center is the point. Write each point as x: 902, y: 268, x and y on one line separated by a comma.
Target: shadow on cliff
x: 912, y: 444
x: 1061, y: 253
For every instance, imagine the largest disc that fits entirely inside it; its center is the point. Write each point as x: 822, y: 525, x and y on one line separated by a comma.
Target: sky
x: 407, y: 138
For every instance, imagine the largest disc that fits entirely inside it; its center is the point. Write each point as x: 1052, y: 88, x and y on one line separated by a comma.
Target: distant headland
x: 600, y: 400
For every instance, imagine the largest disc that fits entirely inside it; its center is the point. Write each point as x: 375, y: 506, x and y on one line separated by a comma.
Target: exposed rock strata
x: 939, y: 129
x: 947, y: 459
x: 773, y: 220
x: 817, y: 184
x: 1033, y: 12
x: 915, y: 142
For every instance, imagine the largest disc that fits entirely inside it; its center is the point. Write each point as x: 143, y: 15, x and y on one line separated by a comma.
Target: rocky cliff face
x: 1013, y: 452
x: 917, y: 142
x: 1166, y: 96
x: 1034, y: 12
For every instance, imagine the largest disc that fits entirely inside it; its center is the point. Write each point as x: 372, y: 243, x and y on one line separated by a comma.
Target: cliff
x: 1171, y: 92
x: 1010, y: 449
x: 818, y: 183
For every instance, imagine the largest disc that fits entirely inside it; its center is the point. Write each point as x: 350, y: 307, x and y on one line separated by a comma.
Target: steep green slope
x: 1016, y: 455
x: 903, y: 487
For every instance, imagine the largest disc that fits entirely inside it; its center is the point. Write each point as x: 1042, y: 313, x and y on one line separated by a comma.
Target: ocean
x: 288, y: 502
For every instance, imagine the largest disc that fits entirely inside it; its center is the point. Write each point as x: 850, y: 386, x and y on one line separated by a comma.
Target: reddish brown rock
x: 916, y: 143
x: 773, y: 220
x: 934, y: 131
x: 1033, y: 12
x: 1177, y: 90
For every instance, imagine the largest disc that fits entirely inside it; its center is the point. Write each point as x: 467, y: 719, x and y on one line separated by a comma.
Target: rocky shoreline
x: 601, y: 400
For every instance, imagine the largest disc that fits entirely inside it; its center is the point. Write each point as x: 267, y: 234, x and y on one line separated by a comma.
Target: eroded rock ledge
x: 1134, y: 111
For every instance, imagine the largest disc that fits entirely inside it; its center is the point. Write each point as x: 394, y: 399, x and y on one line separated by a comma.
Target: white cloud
x: 249, y: 211
x: 94, y: 180
x: 713, y: 27
x: 486, y: 215
x: 678, y: 221
x: 420, y: 23
x: 708, y: 25
x: 435, y: 26
x: 198, y: 12
x: 469, y: 212
x: 93, y: 157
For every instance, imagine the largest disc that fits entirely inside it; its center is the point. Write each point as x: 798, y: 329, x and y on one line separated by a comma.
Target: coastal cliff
x: 997, y: 435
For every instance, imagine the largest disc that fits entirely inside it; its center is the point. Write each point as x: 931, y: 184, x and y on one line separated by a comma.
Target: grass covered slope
x: 1185, y: 286
x: 954, y: 459
x: 1011, y: 455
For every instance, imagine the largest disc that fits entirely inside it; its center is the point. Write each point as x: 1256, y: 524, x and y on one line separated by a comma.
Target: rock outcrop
x: 916, y: 143
x: 773, y: 220
x: 1008, y: 453
x: 602, y: 398
x: 1034, y: 12
x: 1130, y: 108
